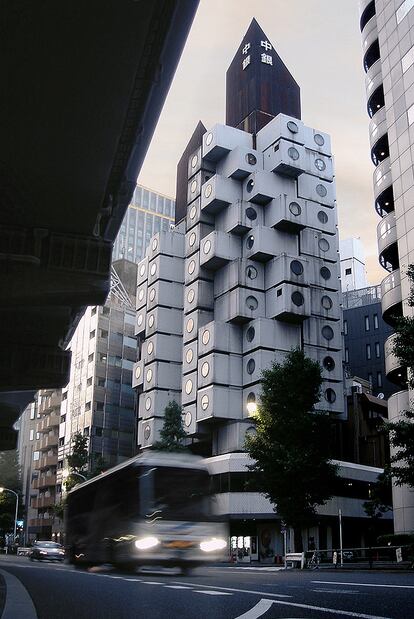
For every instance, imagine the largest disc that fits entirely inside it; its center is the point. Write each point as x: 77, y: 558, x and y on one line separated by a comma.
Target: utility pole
x: 340, y: 536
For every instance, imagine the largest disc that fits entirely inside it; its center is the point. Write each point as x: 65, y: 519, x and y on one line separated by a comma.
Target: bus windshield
x: 179, y: 494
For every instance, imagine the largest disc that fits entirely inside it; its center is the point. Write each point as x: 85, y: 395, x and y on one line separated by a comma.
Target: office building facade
x: 353, y: 272
x: 388, y: 59
x: 149, y: 212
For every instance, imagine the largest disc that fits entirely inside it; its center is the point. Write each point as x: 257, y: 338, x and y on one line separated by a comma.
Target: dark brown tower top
x: 258, y: 84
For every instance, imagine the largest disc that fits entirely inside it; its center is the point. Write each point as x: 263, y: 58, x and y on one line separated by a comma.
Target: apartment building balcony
x: 387, y: 242
x: 43, y: 502
x: 367, y: 9
x: 48, y: 441
x: 48, y: 422
x: 40, y: 522
x: 397, y: 403
x: 391, y: 297
x: 45, y: 462
x: 382, y: 177
x: 377, y: 127
x: 44, y: 481
x: 50, y: 402
x: 369, y: 33
x: 373, y: 78
x: 395, y: 371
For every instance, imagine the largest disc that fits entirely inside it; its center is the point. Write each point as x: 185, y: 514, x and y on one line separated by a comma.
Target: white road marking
x: 257, y: 611
x: 233, y: 590
x: 361, y: 584
x: 176, y: 587
x: 151, y: 582
x: 252, y: 569
x: 336, y: 591
x: 334, y: 611
x: 213, y: 592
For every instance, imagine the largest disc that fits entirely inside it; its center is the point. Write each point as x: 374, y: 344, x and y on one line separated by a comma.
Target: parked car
x: 46, y: 550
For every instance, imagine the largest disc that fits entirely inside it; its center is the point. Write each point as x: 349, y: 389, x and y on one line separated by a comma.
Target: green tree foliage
x: 172, y: 434
x: 78, y: 458
x: 10, y: 477
x: 401, y: 432
x: 291, y: 447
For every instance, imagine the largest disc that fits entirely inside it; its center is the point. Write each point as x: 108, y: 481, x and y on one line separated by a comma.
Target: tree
x: 77, y: 462
x: 401, y: 432
x: 291, y: 446
x: 379, y: 502
x: 10, y: 477
x: 172, y: 433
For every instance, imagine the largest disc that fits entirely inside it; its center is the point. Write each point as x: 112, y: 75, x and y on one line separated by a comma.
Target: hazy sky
x: 320, y: 42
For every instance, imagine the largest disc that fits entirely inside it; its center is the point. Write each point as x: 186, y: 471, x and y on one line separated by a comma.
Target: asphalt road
x: 58, y: 591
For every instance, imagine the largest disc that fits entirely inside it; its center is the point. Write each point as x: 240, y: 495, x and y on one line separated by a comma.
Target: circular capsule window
x: 207, y: 246
x: 152, y: 294
x: 149, y: 376
x: 250, y: 185
x: 251, y: 366
x: 296, y: 267
x: 138, y: 372
x: 319, y: 139
x: 190, y: 325
x: 188, y: 387
x: 193, y: 186
x: 321, y: 190
x: 190, y: 295
x: 188, y: 419
x: 250, y: 241
x: 204, y: 402
x: 327, y: 332
x: 326, y: 302
x: 323, y: 217
x: 292, y: 126
x: 191, y: 267
x: 293, y: 153
x: 208, y: 190
x: 194, y: 161
x: 329, y: 364
x: 251, y: 159
x: 148, y: 403
x: 252, y: 303
x: 205, y: 369
x: 330, y: 395
x: 205, y: 337
x: 209, y: 138
x: 147, y: 432
x: 250, y: 333
x: 153, y: 268
x: 325, y: 273
x: 154, y: 244
x: 297, y: 298
x: 320, y: 165
x: 141, y: 294
x: 150, y: 348
x: 140, y: 320
x: 295, y: 209
x: 189, y: 355
x: 251, y: 272
x: 323, y: 245
x: 251, y: 213
x: 142, y: 270
x: 151, y: 321
x: 192, y: 239
x: 193, y: 212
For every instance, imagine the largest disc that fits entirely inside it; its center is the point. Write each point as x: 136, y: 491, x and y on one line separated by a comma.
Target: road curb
x: 18, y: 601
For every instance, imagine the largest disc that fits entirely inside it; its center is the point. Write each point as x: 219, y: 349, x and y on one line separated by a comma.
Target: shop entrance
x: 244, y: 548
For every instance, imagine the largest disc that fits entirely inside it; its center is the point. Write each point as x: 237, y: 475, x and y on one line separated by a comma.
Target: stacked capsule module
x: 252, y: 272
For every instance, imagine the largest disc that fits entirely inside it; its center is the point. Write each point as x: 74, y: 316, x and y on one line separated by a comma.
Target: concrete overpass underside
x: 83, y: 84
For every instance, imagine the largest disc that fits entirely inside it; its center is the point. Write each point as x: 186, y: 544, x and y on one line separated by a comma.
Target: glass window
x: 366, y: 323
x: 31, y: 435
x: 92, y: 334
x: 348, y: 271
x: 379, y: 379
x: 368, y: 351
x: 377, y: 350
x: 404, y: 9
x: 90, y: 358
x: 407, y: 60
x: 346, y: 355
x: 145, y: 198
x: 345, y: 327
x: 375, y: 321
x: 32, y: 412
x: 99, y: 406
x: 370, y: 378
x: 410, y: 115
x: 36, y: 456
x: 153, y: 202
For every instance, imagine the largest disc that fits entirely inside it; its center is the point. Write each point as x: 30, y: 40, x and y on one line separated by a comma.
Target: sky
x: 320, y: 42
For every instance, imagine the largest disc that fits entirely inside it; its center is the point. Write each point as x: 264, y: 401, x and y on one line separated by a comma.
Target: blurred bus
x: 155, y: 509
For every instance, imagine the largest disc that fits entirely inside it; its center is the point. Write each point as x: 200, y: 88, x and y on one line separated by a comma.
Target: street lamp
x: 17, y: 508
x: 67, y: 474
x: 251, y: 404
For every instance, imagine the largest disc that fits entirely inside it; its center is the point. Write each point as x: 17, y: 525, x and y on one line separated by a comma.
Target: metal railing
x: 372, y: 558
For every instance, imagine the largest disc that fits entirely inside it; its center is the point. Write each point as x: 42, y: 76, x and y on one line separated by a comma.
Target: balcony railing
x: 44, y: 481
x: 391, y: 297
x: 46, y: 462
x: 42, y: 502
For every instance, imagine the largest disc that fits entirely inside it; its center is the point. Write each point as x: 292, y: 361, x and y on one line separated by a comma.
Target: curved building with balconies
x: 388, y: 61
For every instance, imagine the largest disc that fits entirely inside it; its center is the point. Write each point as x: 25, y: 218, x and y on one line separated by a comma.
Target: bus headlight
x: 146, y: 542
x: 213, y: 544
